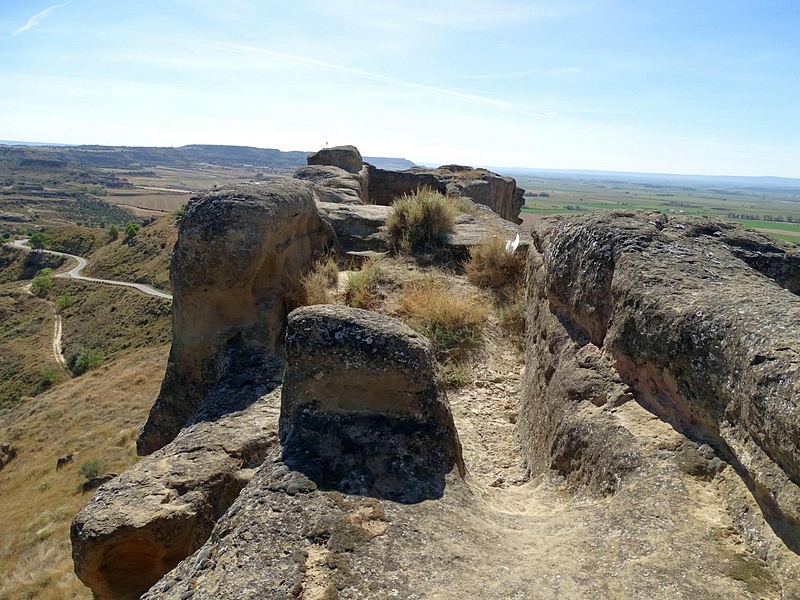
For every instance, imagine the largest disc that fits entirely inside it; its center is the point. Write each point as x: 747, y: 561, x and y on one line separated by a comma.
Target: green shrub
x: 42, y: 283
x: 92, y: 468
x: 38, y: 240
x: 83, y: 360
x: 113, y: 232
x: 361, y: 289
x: 131, y: 229
x: 64, y: 301
x: 420, y: 220
x: 49, y: 379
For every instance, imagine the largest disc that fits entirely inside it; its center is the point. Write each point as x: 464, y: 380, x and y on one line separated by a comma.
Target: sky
x: 707, y: 87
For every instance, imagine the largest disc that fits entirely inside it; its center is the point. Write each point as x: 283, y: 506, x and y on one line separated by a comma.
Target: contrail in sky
x: 364, y: 74
x: 35, y: 20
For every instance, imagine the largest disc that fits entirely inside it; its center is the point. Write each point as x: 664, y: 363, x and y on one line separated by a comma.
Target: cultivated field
x: 774, y: 211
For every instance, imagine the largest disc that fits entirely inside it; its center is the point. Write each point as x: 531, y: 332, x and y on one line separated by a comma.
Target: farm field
x: 165, y: 189
x: 772, y: 210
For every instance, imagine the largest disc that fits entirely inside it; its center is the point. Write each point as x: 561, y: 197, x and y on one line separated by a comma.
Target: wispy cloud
x: 465, y: 96
x: 35, y: 20
x: 526, y: 73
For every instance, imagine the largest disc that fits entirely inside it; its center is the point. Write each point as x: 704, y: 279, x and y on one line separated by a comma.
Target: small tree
x: 38, y: 240
x: 131, y: 229
x: 42, y: 283
x: 113, y: 232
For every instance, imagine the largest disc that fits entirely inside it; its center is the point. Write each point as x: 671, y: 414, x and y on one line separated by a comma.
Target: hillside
x: 95, y: 416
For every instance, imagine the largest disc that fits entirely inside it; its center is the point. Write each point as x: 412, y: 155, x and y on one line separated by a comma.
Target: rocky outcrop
x: 240, y: 251
x: 335, y: 185
x: 501, y: 194
x: 365, y: 428
x: 339, y: 175
x: 633, y: 305
x: 363, y: 409
x: 141, y: 524
x: 361, y: 228
x: 347, y: 158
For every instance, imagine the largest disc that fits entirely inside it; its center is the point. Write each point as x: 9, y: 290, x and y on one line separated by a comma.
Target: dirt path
x: 58, y: 353
x: 75, y: 272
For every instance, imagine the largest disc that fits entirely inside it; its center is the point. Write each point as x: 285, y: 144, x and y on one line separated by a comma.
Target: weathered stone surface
x: 357, y: 227
x: 347, y: 158
x: 633, y: 304
x: 361, y: 227
x: 501, y: 194
x: 336, y: 185
x: 239, y: 252
x: 141, y: 524
x: 363, y: 409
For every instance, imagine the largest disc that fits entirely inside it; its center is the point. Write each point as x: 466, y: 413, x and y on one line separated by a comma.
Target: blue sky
x: 706, y: 87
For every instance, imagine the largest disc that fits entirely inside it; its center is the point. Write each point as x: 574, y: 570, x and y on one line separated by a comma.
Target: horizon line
x: 426, y: 164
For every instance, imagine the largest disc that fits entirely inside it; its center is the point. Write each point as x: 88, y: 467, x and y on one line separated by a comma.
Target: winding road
x: 75, y: 273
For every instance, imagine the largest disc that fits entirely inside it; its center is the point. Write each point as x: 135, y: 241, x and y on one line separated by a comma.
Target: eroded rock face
x: 239, y: 252
x: 334, y: 184
x: 363, y: 409
x: 141, y: 524
x: 501, y: 194
x: 625, y: 305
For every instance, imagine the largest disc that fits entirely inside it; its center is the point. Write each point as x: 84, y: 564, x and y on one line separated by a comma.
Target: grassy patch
x: 316, y: 286
x: 420, y: 220
x: 491, y: 266
x: 451, y: 319
x: 362, y: 288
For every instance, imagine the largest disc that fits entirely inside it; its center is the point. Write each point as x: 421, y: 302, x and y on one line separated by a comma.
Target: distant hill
x: 132, y: 157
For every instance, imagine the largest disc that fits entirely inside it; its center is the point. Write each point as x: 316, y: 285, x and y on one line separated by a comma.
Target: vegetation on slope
x: 96, y: 416
x: 144, y: 258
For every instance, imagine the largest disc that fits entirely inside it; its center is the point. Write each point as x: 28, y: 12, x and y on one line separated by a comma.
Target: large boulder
x: 347, y: 158
x: 688, y: 317
x: 239, y: 254
x: 144, y: 522
x: 363, y: 409
x: 499, y: 193
x: 336, y: 185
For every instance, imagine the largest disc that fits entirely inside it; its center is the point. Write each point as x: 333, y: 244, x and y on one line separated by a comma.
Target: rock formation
x: 141, y: 524
x: 661, y: 384
x: 632, y: 305
x: 342, y: 177
x: 500, y: 194
x: 228, y: 311
x: 363, y: 410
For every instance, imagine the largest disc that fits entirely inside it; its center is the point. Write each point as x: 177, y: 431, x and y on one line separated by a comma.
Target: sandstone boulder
x: 347, y: 158
x: 684, y: 316
x: 363, y: 409
x: 500, y: 194
x: 142, y: 523
x: 334, y: 184
x: 240, y: 251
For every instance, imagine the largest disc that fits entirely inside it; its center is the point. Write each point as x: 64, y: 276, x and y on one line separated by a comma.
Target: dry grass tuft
x: 452, y: 320
x: 317, y: 285
x: 490, y: 266
x: 420, y: 220
x: 362, y: 288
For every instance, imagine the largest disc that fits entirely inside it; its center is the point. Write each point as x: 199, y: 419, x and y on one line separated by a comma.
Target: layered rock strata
x: 633, y: 305
x: 240, y: 252
x: 363, y: 409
